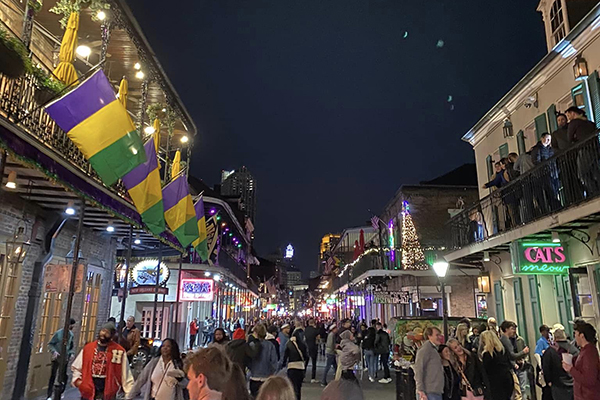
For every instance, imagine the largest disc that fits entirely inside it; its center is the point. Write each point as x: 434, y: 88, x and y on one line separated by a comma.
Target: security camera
x: 531, y: 101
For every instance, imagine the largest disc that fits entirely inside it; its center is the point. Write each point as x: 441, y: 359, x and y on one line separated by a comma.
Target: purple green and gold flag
x: 201, y: 243
x: 180, y: 214
x: 143, y: 184
x: 100, y: 127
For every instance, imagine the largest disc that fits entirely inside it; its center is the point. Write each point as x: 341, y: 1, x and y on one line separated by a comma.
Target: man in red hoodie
x: 586, y: 369
x: 101, y: 370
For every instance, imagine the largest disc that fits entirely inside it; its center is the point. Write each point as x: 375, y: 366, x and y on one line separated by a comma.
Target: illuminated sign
x: 539, y: 258
x: 271, y: 306
x: 144, y: 273
x: 195, y: 289
x: 289, y: 251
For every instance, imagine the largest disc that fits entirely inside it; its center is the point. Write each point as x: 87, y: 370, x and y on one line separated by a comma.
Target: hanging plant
x: 47, y: 87
x: 66, y: 7
x: 166, y: 117
x: 13, y: 55
x: 35, y: 5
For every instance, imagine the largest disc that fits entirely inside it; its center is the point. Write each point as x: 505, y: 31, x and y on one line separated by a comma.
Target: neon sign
x: 539, y: 258
x: 194, y: 289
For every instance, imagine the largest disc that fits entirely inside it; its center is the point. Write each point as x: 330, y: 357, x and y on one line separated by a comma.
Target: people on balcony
x: 560, y: 137
x: 580, y: 128
x: 500, y: 178
x: 542, y: 151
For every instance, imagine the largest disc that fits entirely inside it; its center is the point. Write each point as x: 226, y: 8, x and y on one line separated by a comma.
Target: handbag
x: 467, y: 392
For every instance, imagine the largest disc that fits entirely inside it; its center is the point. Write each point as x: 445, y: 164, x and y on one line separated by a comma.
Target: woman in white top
x: 163, y: 378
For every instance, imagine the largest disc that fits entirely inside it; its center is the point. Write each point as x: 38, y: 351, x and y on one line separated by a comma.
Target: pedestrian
x: 238, y: 349
x: 477, y: 331
x: 579, y: 128
x: 208, y: 372
x: 130, y: 338
x: 429, y: 372
x: 382, y: 349
x: 586, y: 369
x: 559, y: 381
x: 205, y: 331
x: 272, y: 334
x: 544, y: 341
x: 276, y: 388
x: 497, y: 368
x: 517, y: 352
x: 193, y: 332
x: 311, y: 335
x: 163, y: 377
x: 101, y: 370
x: 322, y: 337
x: 265, y: 363
x: 451, y: 378
x: 330, y: 353
x: 55, y: 348
x: 368, y: 345
x: 220, y: 337
x: 342, y: 389
x: 462, y: 335
x: 350, y: 355
x: 283, y: 337
x: 237, y: 387
x: 469, y: 369
x: 492, y: 325
x: 294, y: 359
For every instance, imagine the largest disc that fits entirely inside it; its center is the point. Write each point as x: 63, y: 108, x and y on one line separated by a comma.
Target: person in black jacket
x: 559, y: 380
x: 311, y: 335
x: 469, y: 368
x: 368, y: 345
x: 382, y: 348
x: 588, y: 169
x: 543, y: 150
x: 546, y: 190
x: 294, y: 358
x: 272, y: 333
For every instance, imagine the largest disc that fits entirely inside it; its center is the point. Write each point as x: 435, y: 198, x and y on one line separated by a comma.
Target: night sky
x: 333, y: 104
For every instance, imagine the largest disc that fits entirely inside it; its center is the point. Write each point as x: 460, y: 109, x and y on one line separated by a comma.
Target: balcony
x: 558, y: 194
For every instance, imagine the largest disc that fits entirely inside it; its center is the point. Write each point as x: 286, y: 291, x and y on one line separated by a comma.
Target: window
x: 503, y: 150
x: 521, y: 142
x: 557, y: 23
x: 49, y: 320
x: 541, y: 126
x: 498, y: 301
x: 9, y: 279
x: 520, y: 309
x: 90, y: 308
x: 536, y: 308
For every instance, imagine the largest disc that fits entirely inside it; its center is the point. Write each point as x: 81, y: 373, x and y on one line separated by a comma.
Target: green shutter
x: 521, y: 142
x: 594, y: 84
x: 498, y: 301
x: 580, y: 98
x: 541, y: 126
x: 490, y: 166
x: 552, y: 118
x: 536, y: 308
x: 520, y: 308
x: 563, y: 300
x: 503, y: 150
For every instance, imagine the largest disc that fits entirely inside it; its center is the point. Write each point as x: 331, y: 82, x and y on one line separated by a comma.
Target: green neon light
x: 524, y: 244
x: 543, y: 269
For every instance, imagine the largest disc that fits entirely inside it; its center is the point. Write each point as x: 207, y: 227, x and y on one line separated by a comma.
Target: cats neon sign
x: 540, y: 258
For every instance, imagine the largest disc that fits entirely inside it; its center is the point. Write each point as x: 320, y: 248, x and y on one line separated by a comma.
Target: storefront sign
x: 391, y: 297
x: 196, y: 290
x: 144, y: 273
x: 58, y: 276
x: 539, y: 258
x: 271, y: 307
x: 148, y: 289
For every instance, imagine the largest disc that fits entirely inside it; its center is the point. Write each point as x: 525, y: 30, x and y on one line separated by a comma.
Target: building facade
x: 536, y: 238
x: 241, y: 183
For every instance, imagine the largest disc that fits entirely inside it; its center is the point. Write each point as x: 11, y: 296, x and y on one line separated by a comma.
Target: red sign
x: 195, y: 289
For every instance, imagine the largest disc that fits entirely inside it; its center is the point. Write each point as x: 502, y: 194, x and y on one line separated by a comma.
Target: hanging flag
x: 100, y: 127
x: 201, y: 243
x: 375, y: 222
x: 180, y: 214
x: 176, y: 167
x: 143, y: 184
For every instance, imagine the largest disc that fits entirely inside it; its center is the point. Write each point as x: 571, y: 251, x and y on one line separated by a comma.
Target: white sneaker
x: 371, y: 379
x: 383, y: 380
x: 389, y: 380
x: 366, y: 369
x: 313, y: 381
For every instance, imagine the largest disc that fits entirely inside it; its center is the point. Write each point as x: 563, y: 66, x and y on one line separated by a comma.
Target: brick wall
x: 96, y: 248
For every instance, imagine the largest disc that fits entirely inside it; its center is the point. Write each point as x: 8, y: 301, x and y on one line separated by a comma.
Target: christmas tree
x: 413, y: 257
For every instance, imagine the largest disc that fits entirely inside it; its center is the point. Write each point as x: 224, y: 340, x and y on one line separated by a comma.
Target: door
x: 563, y: 299
x: 536, y: 308
x: 498, y: 300
x: 10, y: 276
x: 93, y: 286
x: 583, y: 298
x: 161, y: 330
x: 520, y: 309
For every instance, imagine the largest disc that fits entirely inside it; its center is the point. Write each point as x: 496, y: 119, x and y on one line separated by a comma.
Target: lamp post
x: 441, y: 268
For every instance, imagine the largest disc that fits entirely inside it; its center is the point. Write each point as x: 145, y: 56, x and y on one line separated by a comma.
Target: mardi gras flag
x: 143, y: 184
x: 179, y: 210
x: 100, y: 127
x: 201, y: 243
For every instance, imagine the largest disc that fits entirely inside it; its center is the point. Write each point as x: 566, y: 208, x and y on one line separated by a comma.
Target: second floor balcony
x: 560, y: 194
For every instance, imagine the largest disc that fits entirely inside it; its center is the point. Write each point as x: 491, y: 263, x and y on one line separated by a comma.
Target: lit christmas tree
x: 413, y: 257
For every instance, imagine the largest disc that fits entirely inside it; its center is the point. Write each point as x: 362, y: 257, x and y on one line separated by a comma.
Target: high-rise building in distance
x: 240, y: 183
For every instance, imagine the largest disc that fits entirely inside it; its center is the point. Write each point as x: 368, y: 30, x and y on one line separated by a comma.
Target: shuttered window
x: 490, y: 166
x: 580, y: 99
x: 536, y: 308
x: 520, y: 308
x: 498, y: 301
x: 521, y: 142
x: 552, y: 118
x: 541, y: 125
x: 503, y: 150
x: 594, y: 84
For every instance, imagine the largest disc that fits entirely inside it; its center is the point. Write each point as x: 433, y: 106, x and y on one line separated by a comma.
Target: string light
x: 413, y: 257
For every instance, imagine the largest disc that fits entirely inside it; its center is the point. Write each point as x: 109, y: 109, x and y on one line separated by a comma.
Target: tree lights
x: 413, y: 257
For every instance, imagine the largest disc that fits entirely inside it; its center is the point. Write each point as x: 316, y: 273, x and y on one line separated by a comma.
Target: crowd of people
x: 266, y: 360
x: 494, y: 363
x: 562, y: 182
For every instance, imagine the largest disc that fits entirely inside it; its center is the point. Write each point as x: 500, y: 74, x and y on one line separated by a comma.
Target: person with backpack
x: 382, y: 349
x: 368, y: 345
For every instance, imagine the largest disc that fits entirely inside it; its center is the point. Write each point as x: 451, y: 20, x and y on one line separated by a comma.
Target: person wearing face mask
x: 164, y: 374
x: 101, y: 370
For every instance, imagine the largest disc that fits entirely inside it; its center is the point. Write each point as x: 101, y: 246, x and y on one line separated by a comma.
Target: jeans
x: 433, y: 396
x: 524, y: 383
x: 331, y: 362
x: 385, y: 358
x: 372, y: 360
x: 53, y: 373
x: 192, y: 341
x: 312, y: 355
x: 296, y: 377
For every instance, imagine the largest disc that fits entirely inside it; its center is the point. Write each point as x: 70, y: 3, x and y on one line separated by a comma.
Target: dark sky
x: 328, y: 104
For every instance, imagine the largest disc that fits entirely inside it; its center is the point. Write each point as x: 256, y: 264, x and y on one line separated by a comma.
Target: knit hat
x: 285, y: 326
x: 110, y: 326
x: 345, y: 335
x: 239, y: 334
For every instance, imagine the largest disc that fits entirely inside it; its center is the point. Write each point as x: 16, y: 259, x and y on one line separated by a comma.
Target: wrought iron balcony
x: 566, y: 180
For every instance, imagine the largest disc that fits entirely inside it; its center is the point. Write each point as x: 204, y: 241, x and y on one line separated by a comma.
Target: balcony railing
x: 565, y: 180
x: 21, y: 105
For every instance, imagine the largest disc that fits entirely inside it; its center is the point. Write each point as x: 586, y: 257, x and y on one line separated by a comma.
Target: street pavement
x: 312, y: 391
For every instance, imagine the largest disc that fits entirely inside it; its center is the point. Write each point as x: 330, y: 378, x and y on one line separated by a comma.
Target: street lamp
x: 441, y: 268
x: 17, y: 246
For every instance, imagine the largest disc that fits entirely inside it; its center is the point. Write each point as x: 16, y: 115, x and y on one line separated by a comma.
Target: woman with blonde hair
x: 462, y: 335
x: 497, y: 369
x: 276, y: 388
